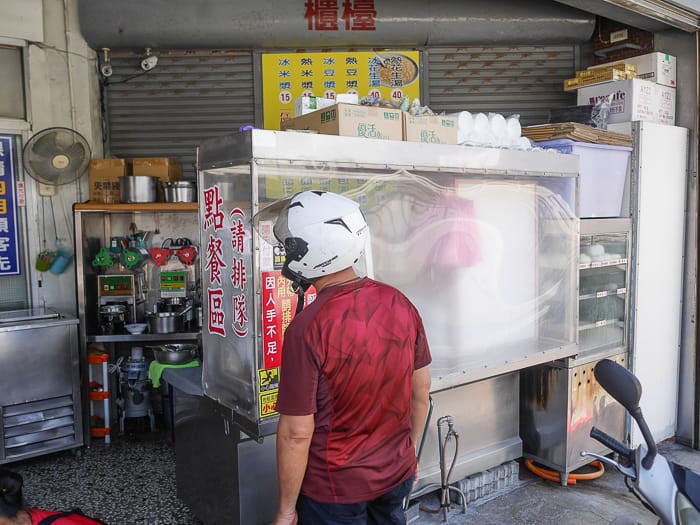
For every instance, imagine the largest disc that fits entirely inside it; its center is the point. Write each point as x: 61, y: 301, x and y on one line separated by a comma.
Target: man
x: 355, y: 383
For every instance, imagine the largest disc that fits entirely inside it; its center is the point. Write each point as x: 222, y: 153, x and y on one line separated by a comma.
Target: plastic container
x: 603, y: 170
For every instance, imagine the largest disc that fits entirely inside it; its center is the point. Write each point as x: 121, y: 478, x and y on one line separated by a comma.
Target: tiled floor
x: 132, y: 482
x: 128, y: 482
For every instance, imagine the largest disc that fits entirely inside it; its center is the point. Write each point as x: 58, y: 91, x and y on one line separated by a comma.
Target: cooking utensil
x: 136, y: 328
x: 166, y: 322
x: 179, y: 191
x: 138, y: 188
x: 175, y: 353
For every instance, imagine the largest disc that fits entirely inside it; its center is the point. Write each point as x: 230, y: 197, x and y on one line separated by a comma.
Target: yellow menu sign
x: 390, y: 75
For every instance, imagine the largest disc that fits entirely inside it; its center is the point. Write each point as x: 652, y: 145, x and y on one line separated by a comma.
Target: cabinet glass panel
x: 602, y: 291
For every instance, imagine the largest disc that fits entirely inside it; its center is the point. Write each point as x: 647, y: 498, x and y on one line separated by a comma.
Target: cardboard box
x: 634, y: 99
x: 167, y: 170
x: 655, y: 67
x: 103, y: 178
x: 598, y: 76
x: 306, y: 105
x: 349, y: 120
x: 430, y: 129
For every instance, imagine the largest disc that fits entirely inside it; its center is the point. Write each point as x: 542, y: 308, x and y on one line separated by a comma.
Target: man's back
x: 349, y: 358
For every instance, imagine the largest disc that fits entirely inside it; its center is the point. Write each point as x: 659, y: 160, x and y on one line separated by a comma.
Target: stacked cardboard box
x: 351, y: 120
x: 590, y: 77
x: 430, y: 129
x: 634, y: 99
x: 651, y: 96
x: 103, y: 177
x: 167, y: 170
x: 655, y: 67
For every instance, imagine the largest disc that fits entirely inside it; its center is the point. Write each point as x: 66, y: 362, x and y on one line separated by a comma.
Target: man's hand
x: 286, y: 519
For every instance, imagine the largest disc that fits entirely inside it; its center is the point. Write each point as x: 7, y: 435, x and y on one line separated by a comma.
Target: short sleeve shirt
x: 348, y: 358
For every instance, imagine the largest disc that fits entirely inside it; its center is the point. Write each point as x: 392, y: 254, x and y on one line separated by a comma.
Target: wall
x: 61, y: 90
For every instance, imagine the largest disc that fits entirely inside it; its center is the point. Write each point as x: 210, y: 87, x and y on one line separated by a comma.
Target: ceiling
x: 650, y: 15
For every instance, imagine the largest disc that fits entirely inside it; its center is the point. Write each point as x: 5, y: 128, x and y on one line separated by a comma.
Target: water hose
x: 555, y: 476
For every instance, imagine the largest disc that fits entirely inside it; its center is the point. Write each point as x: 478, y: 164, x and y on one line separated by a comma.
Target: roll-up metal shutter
x: 527, y: 81
x: 169, y: 110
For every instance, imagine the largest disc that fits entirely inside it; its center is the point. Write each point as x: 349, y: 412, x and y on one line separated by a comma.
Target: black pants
x: 384, y: 510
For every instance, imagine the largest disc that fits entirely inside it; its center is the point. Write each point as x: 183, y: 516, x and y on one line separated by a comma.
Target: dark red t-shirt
x: 349, y: 358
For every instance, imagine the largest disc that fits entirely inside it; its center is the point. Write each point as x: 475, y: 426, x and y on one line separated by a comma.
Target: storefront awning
x: 235, y: 24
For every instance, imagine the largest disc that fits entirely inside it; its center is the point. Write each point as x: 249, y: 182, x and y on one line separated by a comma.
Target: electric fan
x: 56, y: 156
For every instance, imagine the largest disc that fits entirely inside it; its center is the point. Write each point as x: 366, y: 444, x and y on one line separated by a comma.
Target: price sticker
x: 396, y: 95
x: 601, y: 294
x: 285, y: 97
x: 598, y: 324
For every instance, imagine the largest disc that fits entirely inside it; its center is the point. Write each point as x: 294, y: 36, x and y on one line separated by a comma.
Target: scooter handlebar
x: 612, y: 443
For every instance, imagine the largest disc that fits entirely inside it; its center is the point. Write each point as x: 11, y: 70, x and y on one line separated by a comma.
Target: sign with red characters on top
x: 278, y: 307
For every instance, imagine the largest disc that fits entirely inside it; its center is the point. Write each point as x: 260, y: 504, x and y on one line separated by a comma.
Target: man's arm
x: 420, y: 399
x: 293, y: 440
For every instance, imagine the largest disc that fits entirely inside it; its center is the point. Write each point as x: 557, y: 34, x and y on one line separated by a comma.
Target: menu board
x: 9, y: 231
x: 387, y: 75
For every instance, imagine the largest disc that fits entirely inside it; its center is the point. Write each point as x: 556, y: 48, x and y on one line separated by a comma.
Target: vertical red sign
x: 278, y: 306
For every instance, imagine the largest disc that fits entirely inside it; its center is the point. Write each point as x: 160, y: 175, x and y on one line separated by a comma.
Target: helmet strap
x: 299, y: 287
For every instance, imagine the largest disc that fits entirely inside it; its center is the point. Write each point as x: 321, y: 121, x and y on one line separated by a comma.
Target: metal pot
x: 180, y: 191
x: 175, y: 354
x: 138, y: 188
x: 166, y: 322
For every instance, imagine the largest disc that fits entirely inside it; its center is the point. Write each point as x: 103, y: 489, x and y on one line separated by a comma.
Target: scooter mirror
x: 620, y: 383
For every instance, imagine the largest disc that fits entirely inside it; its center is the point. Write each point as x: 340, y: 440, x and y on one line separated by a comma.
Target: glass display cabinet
x: 603, y: 285
x: 562, y: 400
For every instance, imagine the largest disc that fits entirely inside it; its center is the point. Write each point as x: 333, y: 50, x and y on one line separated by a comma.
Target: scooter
x: 670, y: 491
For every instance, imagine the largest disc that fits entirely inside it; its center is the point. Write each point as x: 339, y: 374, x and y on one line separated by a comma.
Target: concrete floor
x: 534, y: 501
x: 132, y: 482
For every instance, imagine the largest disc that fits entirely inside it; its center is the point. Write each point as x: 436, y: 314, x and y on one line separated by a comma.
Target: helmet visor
x: 273, y: 219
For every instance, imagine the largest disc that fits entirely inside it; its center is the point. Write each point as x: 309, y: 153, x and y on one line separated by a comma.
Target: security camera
x: 106, y: 67
x: 149, y: 62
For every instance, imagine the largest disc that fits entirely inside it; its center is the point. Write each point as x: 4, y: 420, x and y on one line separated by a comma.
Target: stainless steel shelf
x: 133, y: 338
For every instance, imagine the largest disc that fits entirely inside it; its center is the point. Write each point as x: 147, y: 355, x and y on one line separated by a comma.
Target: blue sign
x: 9, y: 234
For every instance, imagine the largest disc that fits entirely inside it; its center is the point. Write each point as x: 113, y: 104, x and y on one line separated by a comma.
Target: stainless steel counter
x: 40, y: 406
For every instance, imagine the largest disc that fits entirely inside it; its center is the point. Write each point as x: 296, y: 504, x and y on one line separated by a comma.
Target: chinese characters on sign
x: 278, y: 307
x: 286, y: 77
x: 333, y: 15
x: 9, y: 234
x: 217, y: 265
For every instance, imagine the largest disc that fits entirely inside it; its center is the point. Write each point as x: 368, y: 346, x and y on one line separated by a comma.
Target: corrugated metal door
x: 169, y: 110
x: 524, y: 80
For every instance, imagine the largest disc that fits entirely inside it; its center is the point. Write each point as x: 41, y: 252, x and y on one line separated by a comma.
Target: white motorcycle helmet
x: 322, y: 233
